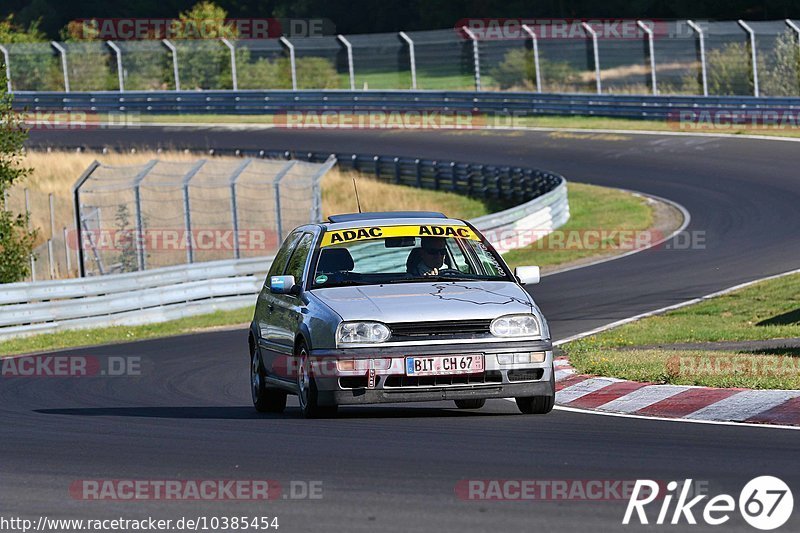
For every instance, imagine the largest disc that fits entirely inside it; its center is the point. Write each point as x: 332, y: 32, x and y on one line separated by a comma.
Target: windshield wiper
x: 342, y: 283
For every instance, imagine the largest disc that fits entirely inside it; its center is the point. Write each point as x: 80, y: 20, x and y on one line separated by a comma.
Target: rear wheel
x: 265, y: 399
x: 476, y: 403
x: 307, y: 388
x: 539, y: 405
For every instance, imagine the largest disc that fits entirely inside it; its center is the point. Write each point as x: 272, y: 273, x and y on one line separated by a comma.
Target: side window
x: 462, y: 263
x: 283, y: 255
x: 298, y: 260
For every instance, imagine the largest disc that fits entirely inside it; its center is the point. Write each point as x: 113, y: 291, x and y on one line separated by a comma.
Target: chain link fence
x: 164, y: 213
x: 670, y: 57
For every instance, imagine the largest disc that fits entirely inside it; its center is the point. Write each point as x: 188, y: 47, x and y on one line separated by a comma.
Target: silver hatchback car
x: 397, y: 307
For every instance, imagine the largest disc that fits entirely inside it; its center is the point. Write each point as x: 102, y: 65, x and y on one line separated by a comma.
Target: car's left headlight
x: 361, y: 333
x: 515, y: 326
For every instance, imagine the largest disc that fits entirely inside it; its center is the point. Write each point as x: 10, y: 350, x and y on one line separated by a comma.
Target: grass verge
x: 767, y: 310
x: 592, y: 208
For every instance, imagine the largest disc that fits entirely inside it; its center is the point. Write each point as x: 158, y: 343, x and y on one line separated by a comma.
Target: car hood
x: 422, y: 302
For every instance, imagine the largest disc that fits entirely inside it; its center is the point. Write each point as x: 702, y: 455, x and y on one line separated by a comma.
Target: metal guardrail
x: 185, y: 290
x: 502, y: 104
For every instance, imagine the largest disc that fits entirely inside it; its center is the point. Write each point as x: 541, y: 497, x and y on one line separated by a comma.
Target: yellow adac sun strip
x: 342, y: 236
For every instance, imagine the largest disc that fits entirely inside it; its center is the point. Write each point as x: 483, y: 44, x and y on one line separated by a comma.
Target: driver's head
x: 433, y: 251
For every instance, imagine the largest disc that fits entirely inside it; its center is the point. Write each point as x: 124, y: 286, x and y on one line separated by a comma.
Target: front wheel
x: 471, y: 403
x: 265, y: 399
x: 307, y: 388
x: 539, y: 405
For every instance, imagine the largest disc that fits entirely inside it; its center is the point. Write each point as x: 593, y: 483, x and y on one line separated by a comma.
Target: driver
x: 431, y: 257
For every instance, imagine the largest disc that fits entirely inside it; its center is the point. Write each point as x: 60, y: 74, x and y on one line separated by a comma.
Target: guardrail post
x: 412, y: 58
x: 349, y: 48
x: 753, y: 55
x: 377, y: 162
x: 535, y: 42
x: 8, y: 66
x: 292, y: 64
x: 397, y: 170
x: 187, y: 209
x: 118, y: 54
x: 174, y: 51
x: 63, y: 52
x: 789, y: 22
x: 234, y: 76
x: 596, y: 54
x: 651, y: 53
x: 702, y: 39
x: 475, y: 56
x: 419, y: 173
x: 234, y: 209
x: 276, y: 182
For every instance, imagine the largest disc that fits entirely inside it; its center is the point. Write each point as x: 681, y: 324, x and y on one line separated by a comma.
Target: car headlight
x: 515, y: 326
x: 362, y: 332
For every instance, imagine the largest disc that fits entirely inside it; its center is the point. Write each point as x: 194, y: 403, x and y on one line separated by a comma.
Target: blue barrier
x: 512, y: 104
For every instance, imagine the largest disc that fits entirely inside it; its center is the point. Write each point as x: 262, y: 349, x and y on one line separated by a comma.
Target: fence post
x: 66, y: 251
x: 535, y: 41
x: 50, y: 258
x: 292, y: 64
x: 411, y: 56
x: 276, y: 182
x: 8, y: 66
x: 596, y: 54
x: 118, y: 53
x: 140, y: 240
x: 187, y: 208
x: 475, y: 56
x: 702, y: 38
x: 316, y: 196
x: 651, y: 53
x: 753, y: 55
x: 234, y: 76
x: 77, y: 208
x: 234, y: 209
x: 174, y: 51
x: 349, y: 48
x: 63, y: 52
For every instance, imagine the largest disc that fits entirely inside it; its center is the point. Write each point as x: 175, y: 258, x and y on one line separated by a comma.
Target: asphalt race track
x: 395, y: 468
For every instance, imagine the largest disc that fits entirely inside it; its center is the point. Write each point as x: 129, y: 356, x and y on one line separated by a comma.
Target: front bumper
x: 391, y: 385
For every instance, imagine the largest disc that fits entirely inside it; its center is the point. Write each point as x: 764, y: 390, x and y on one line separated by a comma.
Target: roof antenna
x: 358, y: 203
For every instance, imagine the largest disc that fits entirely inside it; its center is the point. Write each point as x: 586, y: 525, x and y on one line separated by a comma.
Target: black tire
x: 307, y: 389
x: 476, y: 403
x: 539, y: 405
x: 265, y: 399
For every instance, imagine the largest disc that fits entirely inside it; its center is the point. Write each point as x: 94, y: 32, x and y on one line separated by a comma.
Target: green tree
x: 16, y: 241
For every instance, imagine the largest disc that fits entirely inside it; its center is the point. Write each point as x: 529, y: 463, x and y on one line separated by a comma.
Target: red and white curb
x: 611, y: 395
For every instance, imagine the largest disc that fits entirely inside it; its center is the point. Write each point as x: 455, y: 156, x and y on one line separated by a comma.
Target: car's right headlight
x: 361, y: 333
x: 515, y: 326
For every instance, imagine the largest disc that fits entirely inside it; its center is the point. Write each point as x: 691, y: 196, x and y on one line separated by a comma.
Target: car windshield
x: 404, y: 254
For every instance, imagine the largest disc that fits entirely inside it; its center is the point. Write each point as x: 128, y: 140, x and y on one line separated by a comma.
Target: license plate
x: 438, y: 365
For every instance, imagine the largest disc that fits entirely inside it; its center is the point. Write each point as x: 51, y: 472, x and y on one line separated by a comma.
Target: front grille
x: 491, y: 376
x: 532, y: 374
x: 440, y: 329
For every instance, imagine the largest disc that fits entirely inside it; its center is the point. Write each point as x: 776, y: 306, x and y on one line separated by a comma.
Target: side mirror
x: 528, y: 275
x: 282, y: 285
